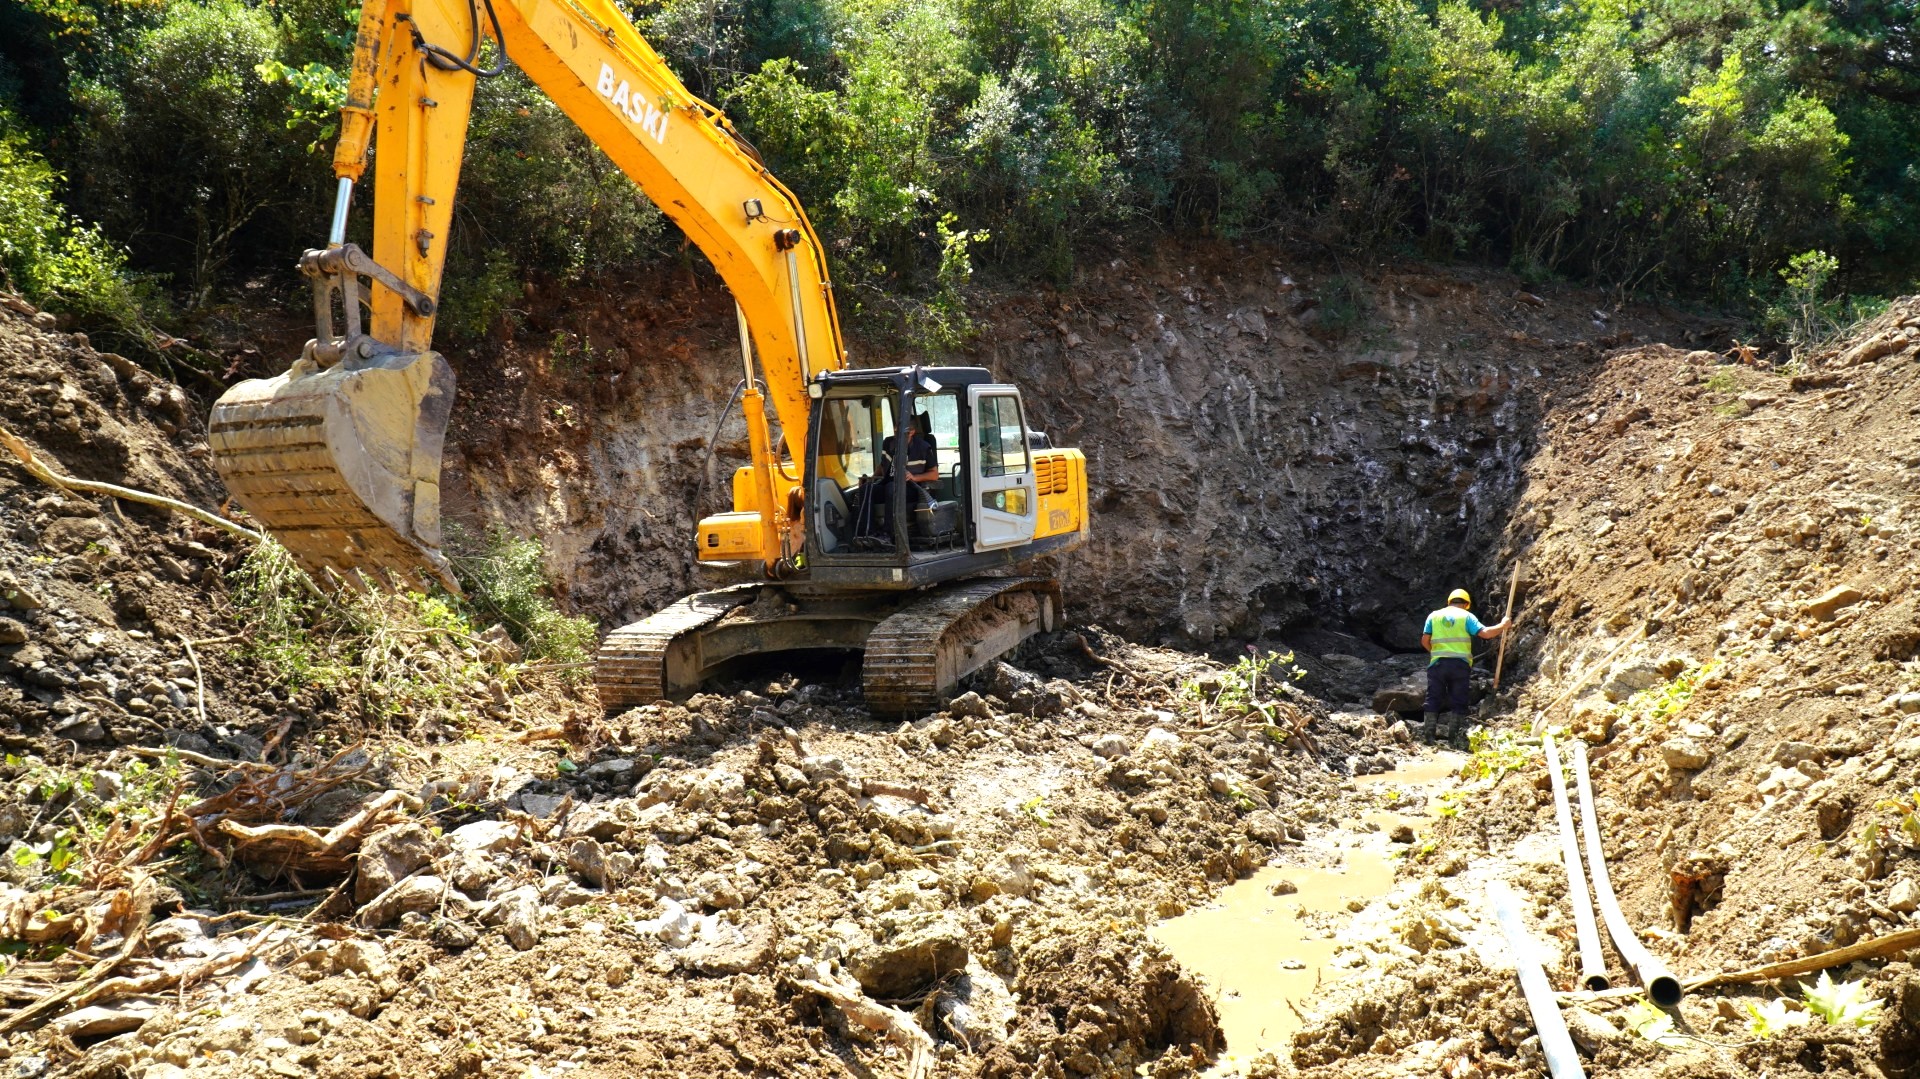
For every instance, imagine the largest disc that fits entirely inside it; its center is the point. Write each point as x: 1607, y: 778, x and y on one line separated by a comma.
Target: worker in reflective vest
x: 1448, y: 638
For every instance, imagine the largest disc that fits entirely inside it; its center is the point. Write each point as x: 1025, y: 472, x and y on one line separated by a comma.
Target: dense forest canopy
x: 156, y: 152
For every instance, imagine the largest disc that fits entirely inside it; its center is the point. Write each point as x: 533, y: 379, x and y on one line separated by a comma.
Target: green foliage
x: 273, y: 595
x: 1842, y: 1004
x: 45, y: 254
x: 1676, y: 145
x: 91, y: 829
x: 1806, y: 275
x: 183, y: 149
x: 1656, y: 1026
x: 1768, y: 1018
x: 1494, y: 753
x: 1658, y: 704
x: 390, y: 654
x: 505, y: 577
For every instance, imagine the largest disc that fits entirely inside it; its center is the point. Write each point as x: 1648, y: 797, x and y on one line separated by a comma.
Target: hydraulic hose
x: 1654, y: 976
x: 445, y: 60
x: 1562, y: 1061
x: 1593, y: 962
x: 700, y: 490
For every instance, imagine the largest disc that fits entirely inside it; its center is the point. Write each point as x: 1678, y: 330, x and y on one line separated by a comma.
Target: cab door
x: 1004, y: 506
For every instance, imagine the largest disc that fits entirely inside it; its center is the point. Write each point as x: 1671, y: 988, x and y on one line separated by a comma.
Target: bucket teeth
x: 342, y: 464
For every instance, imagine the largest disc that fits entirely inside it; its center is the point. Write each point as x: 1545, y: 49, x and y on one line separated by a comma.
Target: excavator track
x: 915, y: 657
x: 918, y: 647
x: 631, y: 667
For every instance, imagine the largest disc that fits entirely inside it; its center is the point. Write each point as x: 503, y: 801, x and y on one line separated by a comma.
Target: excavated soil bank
x: 1254, y: 466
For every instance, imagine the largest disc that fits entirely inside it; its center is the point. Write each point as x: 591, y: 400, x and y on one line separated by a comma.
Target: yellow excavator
x: 895, y: 521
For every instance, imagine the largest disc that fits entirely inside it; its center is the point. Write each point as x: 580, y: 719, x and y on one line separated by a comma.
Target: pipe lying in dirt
x: 1562, y: 1061
x: 1654, y: 976
x: 1593, y: 962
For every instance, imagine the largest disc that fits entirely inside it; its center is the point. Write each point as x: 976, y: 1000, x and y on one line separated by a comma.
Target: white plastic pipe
x: 1562, y: 1061
x: 1654, y: 976
x: 1593, y: 962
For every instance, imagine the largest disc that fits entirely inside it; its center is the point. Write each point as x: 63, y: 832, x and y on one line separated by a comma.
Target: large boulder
x: 388, y: 855
x: 1406, y: 694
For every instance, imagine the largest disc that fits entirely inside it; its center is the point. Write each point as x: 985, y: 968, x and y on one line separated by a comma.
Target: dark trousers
x: 1447, y: 681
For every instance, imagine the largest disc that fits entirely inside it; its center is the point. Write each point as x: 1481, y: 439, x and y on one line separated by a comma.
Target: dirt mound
x: 100, y: 593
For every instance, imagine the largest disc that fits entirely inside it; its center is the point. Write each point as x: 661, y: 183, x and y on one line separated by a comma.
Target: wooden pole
x: 1513, y: 589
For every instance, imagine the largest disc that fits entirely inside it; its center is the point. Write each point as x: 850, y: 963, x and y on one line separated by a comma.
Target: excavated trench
x: 1254, y: 475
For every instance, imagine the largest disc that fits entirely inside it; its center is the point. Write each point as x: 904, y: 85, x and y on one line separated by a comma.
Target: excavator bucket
x: 342, y: 464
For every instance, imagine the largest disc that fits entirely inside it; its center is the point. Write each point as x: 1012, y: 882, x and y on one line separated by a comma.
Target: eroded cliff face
x: 1267, y: 446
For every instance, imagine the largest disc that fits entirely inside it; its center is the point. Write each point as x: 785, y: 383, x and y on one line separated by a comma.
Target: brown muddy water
x: 1266, y: 956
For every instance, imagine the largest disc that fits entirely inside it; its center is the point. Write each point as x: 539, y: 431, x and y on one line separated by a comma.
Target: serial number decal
x: 632, y: 105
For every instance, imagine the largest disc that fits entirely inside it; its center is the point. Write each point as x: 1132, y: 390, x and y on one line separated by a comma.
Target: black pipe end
x: 1596, y: 983
x: 1665, y: 990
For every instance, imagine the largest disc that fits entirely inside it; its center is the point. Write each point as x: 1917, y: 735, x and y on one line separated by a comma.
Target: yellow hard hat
x: 1459, y: 595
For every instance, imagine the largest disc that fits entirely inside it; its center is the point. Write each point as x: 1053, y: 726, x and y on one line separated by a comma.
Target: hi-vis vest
x: 1449, y: 634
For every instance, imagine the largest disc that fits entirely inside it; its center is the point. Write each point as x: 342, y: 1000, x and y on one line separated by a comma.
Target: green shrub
x: 389, y: 654
x: 505, y: 578
x: 46, y: 254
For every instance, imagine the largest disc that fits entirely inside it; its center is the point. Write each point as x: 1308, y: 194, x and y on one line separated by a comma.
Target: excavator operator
x: 922, y: 466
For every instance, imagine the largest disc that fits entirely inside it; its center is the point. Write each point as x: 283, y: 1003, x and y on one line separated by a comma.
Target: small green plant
x: 1238, y: 690
x: 1494, y: 753
x: 505, y: 577
x: 1657, y: 705
x: 1806, y: 275
x: 1766, y: 1019
x: 1036, y: 810
x: 1724, y: 381
x: 1656, y: 1026
x: 1842, y: 1004
x: 1907, y: 815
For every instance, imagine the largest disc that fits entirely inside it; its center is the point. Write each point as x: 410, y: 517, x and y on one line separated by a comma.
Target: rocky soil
x: 1756, y: 747
x: 498, y: 879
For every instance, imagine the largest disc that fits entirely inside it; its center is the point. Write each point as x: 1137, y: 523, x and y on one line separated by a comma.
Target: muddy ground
x: 765, y: 880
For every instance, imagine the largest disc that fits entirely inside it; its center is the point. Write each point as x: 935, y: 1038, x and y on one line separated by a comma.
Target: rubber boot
x: 1430, y: 726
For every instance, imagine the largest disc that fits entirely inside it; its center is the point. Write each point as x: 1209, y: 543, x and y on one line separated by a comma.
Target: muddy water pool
x: 1267, y: 956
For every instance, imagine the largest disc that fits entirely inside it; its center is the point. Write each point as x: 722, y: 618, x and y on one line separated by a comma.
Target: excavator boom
x: 339, y: 457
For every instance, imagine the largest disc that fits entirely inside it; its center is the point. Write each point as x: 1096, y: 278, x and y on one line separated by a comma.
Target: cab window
x: 1003, y: 437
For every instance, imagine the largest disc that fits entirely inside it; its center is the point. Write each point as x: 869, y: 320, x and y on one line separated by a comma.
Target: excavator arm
x: 340, y: 456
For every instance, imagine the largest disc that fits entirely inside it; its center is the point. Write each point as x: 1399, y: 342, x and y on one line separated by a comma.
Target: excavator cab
x: 917, y: 475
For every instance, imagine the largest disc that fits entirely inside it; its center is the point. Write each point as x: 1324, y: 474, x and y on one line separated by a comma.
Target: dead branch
x: 1878, y: 948
x: 170, y: 977
x: 190, y: 757
x: 871, y: 787
x: 1086, y: 650
x: 284, y: 846
x: 132, y: 905
x: 199, y: 680
x: 895, y: 1025
x: 39, y: 470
